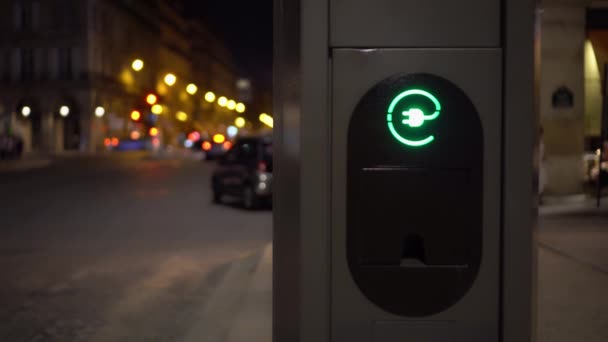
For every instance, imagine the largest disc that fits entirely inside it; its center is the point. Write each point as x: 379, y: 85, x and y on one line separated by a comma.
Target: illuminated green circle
x: 414, y: 117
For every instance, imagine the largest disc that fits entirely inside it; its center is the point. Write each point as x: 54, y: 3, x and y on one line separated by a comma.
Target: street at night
x: 116, y: 248
x: 303, y: 171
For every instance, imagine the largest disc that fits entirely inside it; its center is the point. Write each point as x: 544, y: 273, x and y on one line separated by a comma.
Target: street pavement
x: 573, y: 274
x: 122, y: 247
x: 129, y: 248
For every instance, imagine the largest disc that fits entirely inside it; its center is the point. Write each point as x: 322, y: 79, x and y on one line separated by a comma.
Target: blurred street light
x: 232, y: 131
x: 209, y: 96
x: 135, y: 115
x: 191, y: 89
x: 137, y: 65
x: 153, y: 131
x: 99, y: 111
x: 222, y: 101
x: 26, y: 111
x: 266, y: 120
x: 135, y: 135
x: 231, y: 104
x: 64, y: 111
x: 170, y: 79
x: 151, y: 99
x: 181, y: 116
x: 219, y: 138
x: 240, y: 122
x: 240, y: 107
x: 157, y: 109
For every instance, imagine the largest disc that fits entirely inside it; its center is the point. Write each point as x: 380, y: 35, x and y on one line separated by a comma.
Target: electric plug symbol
x: 414, y: 117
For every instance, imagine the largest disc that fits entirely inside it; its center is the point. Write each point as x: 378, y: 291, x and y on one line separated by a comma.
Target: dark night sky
x: 245, y: 26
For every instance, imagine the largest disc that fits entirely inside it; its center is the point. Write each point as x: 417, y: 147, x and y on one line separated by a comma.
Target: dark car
x: 246, y: 172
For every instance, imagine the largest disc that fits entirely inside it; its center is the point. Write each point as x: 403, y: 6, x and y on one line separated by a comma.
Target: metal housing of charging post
x: 415, y: 194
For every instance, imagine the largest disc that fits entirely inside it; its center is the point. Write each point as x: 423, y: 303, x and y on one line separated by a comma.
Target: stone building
x: 572, y: 49
x: 68, y: 78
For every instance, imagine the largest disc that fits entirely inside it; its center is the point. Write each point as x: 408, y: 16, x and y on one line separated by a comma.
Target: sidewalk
x: 240, y: 310
x: 573, y: 273
x: 572, y: 280
x: 570, y: 204
x: 24, y: 164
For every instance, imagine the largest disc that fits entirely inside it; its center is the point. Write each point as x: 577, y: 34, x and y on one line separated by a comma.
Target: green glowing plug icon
x: 413, y: 117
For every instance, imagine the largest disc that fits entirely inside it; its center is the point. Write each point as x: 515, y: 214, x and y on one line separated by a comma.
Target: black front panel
x: 414, y: 210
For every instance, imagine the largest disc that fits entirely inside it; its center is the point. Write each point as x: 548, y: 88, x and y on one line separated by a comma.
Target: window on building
x: 27, y: 64
x: 41, y: 58
x: 24, y: 15
x: 65, y: 63
x: 5, y: 67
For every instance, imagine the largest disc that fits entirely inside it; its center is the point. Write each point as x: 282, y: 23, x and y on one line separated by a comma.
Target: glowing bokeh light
x: 64, y: 111
x: 151, y: 99
x: 222, y: 101
x: 240, y: 122
x: 135, y: 115
x: 191, y: 89
x: 137, y: 65
x: 219, y: 138
x: 209, y: 96
x: 99, y: 112
x: 170, y: 79
x: 157, y: 109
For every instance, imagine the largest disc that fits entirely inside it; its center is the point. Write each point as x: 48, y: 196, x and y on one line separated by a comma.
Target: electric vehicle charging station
x: 409, y: 126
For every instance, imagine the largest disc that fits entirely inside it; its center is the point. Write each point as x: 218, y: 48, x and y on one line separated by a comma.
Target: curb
x: 253, y: 322
x: 217, y: 315
x: 23, y: 165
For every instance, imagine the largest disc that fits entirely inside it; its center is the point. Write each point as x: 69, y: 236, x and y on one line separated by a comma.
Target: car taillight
x: 206, y: 146
x: 262, y: 166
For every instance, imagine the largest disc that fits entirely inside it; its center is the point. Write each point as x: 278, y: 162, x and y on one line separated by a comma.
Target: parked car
x: 246, y: 172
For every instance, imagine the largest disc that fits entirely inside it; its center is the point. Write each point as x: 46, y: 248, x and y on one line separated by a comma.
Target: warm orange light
x: 170, y: 79
x: 151, y: 99
x: 181, y: 116
x: 157, y: 109
x: 209, y: 96
x: 219, y: 138
x: 137, y: 65
x: 153, y: 131
x: 135, y: 115
x: 222, y: 101
x: 135, y: 135
x: 227, y: 145
x: 107, y: 142
x: 206, y: 146
x: 191, y: 89
x: 115, y: 141
x: 194, y: 136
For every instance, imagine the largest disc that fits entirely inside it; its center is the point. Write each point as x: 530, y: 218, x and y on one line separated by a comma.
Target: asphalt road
x: 130, y: 249
x: 120, y: 248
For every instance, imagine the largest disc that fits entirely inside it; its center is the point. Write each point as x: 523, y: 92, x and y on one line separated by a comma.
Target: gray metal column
x: 328, y: 55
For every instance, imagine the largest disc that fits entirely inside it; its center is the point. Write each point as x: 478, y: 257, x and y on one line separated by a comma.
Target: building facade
x: 572, y: 49
x: 72, y: 71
